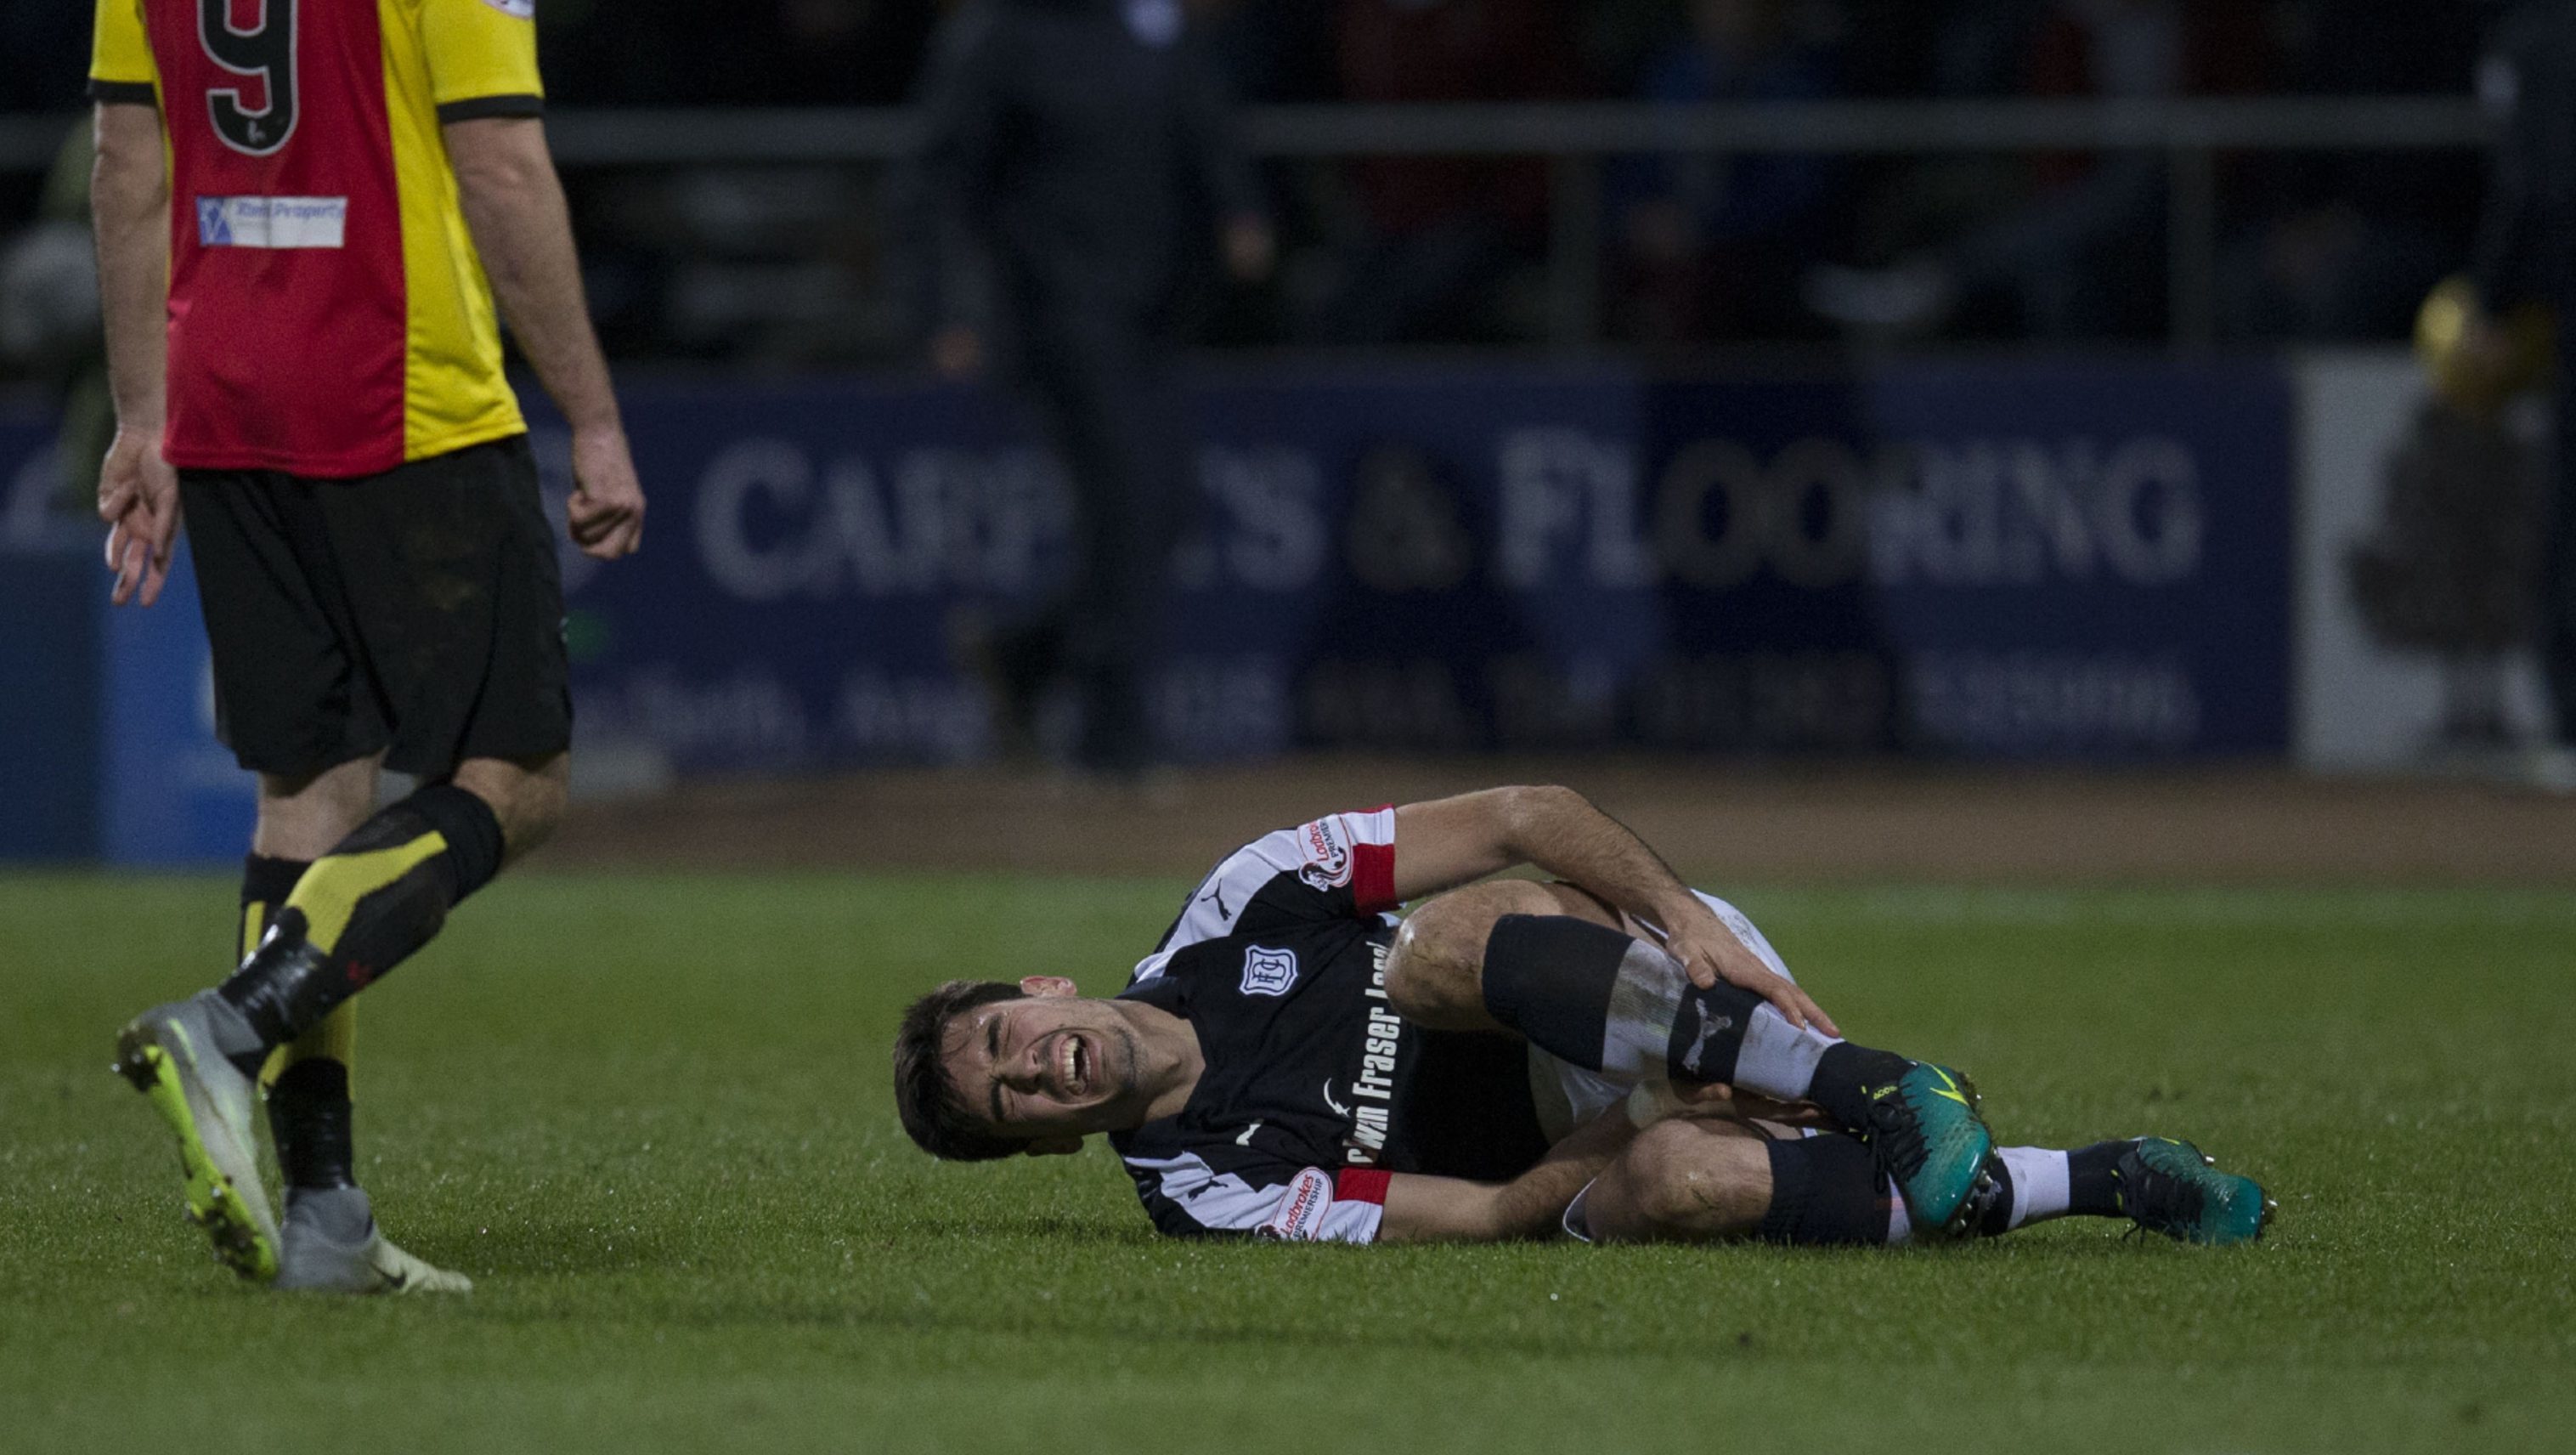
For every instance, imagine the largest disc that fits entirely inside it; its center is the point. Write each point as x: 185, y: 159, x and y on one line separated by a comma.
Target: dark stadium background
x: 779, y: 265
x: 1604, y: 478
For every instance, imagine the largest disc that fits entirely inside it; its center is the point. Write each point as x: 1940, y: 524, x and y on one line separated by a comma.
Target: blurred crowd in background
x: 789, y: 265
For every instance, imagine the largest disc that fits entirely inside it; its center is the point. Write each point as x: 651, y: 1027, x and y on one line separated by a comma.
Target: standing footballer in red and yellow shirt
x: 305, y: 211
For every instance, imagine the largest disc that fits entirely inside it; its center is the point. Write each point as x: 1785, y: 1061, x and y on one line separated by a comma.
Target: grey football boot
x: 332, y: 1245
x: 180, y: 1057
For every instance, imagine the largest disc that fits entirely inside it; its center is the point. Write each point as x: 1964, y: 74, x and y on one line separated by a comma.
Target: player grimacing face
x: 1051, y: 1065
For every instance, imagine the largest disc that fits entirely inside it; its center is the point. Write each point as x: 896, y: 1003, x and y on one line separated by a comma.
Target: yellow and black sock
x: 266, y: 882
x: 363, y: 908
x: 308, y: 1080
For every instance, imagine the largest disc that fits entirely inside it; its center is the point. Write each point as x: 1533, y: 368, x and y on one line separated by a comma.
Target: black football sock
x: 1993, y: 1208
x: 1623, y: 1007
x: 2039, y: 1184
x: 1826, y: 1191
x: 2093, y: 1179
x: 363, y: 908
x: 1847, y: 1075
x: 309, y: 1114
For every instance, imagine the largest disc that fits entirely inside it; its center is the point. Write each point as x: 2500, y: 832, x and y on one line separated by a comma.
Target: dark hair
x: 933, y: 1113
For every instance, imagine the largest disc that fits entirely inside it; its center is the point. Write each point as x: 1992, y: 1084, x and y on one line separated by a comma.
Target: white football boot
x: 332, y: 1245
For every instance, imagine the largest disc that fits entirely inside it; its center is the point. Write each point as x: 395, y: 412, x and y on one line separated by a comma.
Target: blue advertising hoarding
x: 106, y: 714
x: 2062, y: 559
x: 173, y: 794
x: 49, y: 662
x: 2015, y: 559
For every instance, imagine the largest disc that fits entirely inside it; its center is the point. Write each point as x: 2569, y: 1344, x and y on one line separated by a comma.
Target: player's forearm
x: 1530, y: 1205
x: 130, y: 216
x: 1445, y: 1210
x: 1560, y: 831
x: 514, y: 206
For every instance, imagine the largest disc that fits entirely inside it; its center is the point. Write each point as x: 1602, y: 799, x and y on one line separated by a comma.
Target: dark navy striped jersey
x: 1314, y: 1090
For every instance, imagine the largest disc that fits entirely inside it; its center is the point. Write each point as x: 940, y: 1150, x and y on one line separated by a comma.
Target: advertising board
x: 2060, y: 559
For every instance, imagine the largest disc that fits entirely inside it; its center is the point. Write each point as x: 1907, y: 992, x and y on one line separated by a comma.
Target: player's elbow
x: 119, y: 156
x: 1535, y: 801
x: 1525, y: 813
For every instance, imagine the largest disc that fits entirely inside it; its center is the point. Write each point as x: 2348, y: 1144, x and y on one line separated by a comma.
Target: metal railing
x: 1576, y: 138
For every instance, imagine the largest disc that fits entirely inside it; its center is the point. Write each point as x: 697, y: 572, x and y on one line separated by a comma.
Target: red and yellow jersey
x: 328, y: 314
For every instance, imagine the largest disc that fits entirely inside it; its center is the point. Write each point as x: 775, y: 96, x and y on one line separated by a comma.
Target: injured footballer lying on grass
x: 1612, y: 1056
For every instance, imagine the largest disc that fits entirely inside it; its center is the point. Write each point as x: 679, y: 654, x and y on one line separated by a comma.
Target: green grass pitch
x: 650, y: 1116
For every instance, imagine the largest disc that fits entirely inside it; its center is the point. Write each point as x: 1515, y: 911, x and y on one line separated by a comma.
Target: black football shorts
x: 418, y: 612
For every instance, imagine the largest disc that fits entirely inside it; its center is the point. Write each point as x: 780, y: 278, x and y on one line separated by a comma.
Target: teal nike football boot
x: 2172, y: 1188
x: 1927, y: 1134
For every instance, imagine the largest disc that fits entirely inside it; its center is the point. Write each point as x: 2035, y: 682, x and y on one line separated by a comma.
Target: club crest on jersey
x: 1328, y: 859
x: 1268, y: 972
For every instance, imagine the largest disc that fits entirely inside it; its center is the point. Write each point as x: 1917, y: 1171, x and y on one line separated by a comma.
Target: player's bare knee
x: 1687, y: 1178
x: 1435, y: 974
x: 527, y: 796
x: 1422, y: 969
x: 1663, y: 1172
x: 1634, y: 1200
x: 303, y: 815
x: 538, y: 808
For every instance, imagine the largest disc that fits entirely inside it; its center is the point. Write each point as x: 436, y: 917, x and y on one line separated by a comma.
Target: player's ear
x: 1053, y: 1146
x: 1049, y: 987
